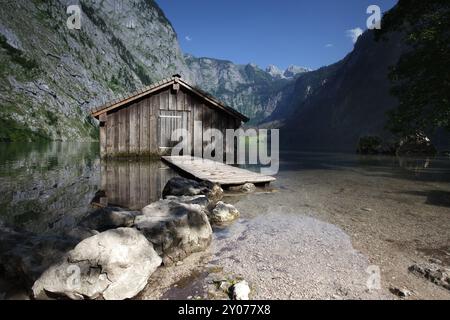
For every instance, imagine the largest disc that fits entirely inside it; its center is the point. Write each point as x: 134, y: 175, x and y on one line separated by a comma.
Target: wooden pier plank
x: 216, y: 172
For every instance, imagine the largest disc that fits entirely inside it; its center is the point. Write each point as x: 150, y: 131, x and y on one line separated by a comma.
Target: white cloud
x: 329, y: 45
x: 188, y: 38
x: 354, y: 34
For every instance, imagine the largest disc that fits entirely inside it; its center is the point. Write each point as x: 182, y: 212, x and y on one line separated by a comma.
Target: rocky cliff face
x: 249, y: 89
x: 51, y: 76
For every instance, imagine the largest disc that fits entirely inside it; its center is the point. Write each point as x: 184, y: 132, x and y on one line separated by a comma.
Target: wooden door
x: 169, y: 121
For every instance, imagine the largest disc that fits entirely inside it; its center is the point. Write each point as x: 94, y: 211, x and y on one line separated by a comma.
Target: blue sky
x: 280, y: 32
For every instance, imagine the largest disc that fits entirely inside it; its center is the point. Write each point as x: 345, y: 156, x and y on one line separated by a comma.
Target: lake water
x: 48, y: 187
x: 44, y: 186
x: 394, y: 210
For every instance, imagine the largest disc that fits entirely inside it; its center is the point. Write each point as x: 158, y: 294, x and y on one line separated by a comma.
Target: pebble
x: 400, y: 292
x: 240, y: 291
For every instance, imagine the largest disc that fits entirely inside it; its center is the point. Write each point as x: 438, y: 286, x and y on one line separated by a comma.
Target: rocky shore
x: 315, y: 236
x: 112, y: 252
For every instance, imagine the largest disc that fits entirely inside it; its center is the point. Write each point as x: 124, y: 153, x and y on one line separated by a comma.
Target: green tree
x: 421, y: 79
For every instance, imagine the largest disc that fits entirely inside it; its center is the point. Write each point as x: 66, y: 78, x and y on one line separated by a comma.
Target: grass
x: 51, y: 118
x: 114, y: 84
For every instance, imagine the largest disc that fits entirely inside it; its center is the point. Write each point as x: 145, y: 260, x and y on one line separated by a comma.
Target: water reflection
x: 132, y: 184
x: 50, y: 187
x: 415, y: 165
x: 44, y: 187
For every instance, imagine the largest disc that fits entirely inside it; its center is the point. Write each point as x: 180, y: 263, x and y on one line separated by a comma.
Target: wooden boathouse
x: 142, y: 123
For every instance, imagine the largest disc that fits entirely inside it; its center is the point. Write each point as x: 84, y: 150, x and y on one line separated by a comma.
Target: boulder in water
x: 179, y: 186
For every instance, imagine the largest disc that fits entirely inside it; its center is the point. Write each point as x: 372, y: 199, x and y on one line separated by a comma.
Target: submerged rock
x: 240, y: 291
x: 432, y: 272
x: 417, y: 144
x: 179, y: 186
x: 224, y: 213
x: 112, y: 265
x: 24, y: 256
x: 245, y: 188
x: 176, y: 228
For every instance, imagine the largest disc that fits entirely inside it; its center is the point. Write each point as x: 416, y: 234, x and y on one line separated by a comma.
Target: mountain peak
x: 290, y: 72
x: 294, y: 70
x: 274, y: 71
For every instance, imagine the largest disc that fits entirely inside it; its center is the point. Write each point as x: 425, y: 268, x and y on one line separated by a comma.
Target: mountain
x: 291, y: 72
x: 249, y: 89
x: 331, y: 108
x: 274, y: 71
x: 297, y: 92
x: 50, y: 76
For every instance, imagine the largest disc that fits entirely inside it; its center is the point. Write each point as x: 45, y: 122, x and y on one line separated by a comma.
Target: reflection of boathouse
x: 142, y: 123
x: 133, y: 184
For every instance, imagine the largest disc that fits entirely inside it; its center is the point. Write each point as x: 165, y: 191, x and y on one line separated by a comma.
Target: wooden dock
x: 216, y: 172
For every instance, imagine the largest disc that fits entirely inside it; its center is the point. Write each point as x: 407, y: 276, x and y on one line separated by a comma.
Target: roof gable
x: 123, y: 101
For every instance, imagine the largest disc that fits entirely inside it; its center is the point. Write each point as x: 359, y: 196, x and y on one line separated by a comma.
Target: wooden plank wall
x: 153, y: 126
x: 135, y: 129
x: 103, y: 139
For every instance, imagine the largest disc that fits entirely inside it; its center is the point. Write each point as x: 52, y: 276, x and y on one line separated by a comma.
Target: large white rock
x: 113, y: 265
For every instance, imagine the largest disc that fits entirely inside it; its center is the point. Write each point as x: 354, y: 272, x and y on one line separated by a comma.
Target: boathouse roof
x: 148, y: 90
